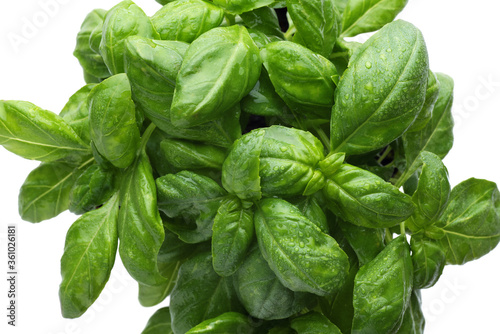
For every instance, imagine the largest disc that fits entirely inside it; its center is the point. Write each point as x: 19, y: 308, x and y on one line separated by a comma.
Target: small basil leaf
x: 431, y: 97
x: 364, y: 199
x: 76, y: 112
x: 89, y: 256
x: 370, y: 112
x: 159, y: 323
x: 37, y: 134
x: 304, y: 258
x: 428, y: 260
x: 113, y: 127
x: 186, y: 20
x: 413, y: 321
x: 263, y: 19
x: 366, y: 242
x: 187, y: 155
x: 241, y: 6
x: 314, y: 323
x: 219, y: 69
x: 362, y: 16
x: 139, y: 225
x: 263, y: 99
x: 311, y: 209
x: 123, y: 20
x: 230, y: 322
x: 382, y: 290
x: 262, y: 293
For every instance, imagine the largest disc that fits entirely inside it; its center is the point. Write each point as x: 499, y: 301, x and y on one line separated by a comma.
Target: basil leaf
x: 139, y: 225
x: 309, y: 261
x: 186, y: 20
x: 46, y: 191
x: 382, y: 290
x: 230, y: 322
x: 76, y: 112
x: 241, y: 6
x: 366, y: 242
x: 314, y: 323
x: 262, y: 293
x: 470, y: 222
x: 113, y: 127
x: 200, y: 294
x: 428, y: 260
x: 89, y: 256
x: 413, y: 321
x: 263, y: 99
x: 37, y: 134
x: 370, y: 111
x: 123, y: 20
x: 362, y: 16
x: 431, y: 97
x: 159, y: 323
x: 364, y: 199
x: 263, y: 19
x: 311, y: 209
x: 187, y: 155
x: 219, y: 69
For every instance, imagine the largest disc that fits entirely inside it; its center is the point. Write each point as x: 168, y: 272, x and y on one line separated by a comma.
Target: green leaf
x: 263, y: 19
x: 364, y: 199
x: 76, y: 112
x: 139, y: 225
x: 431, y: 97
x: 113, y: 127
x: 37, y: 134
x: 366, y: 242
x: 186, y: 20
x: 311, y: 209
x: 159, y: 323
x: 314, y: 323
x: 200, y: 294
x: 219, y: 69
x: 302, y: 78
x: 230, y: 322
x: 304, y: 258
x: 382, y: 91
x: 413, y: 321
x: 362, y: 16
x: 318, y: 21
x: 428, y: 260
x: 241, y: 6
x: 261, y: 292
x: 470, y: 222
x: 89, y: 256
x: 188, y: 155
x: 46, y: 191
x: 263, y: 99
x: 382, y: 290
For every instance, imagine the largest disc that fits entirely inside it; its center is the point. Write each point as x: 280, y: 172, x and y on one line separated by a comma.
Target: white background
x: 462, y: 38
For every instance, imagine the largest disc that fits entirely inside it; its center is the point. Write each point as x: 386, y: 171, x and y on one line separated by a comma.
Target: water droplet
x: 389, y: 50
x: 301, y: 245
x: 283, y: 148
x: 368, y: 65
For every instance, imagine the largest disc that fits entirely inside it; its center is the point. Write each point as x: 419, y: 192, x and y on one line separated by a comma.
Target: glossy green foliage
x: 428, y: 262
x: 382, y: 290
x: 413, y: 321
x: 362, y: 198
x: 139, y: 225
x: 242, y: 6
x: 311, y: 208
x: 318, y: 20
x: 366, y: 242
x: 303, y: 257
x: 432, y: 192
x: 91, y: 189
x: 188, y: 155
x: 89, y: 256
x: 113, y: 126
x: 90, y: 60
x: 301, y: 77
x: 230, y: 322
x: 45, y: 192
x: 263, y: 19
x: 219, y: 69
x: 159, y: 323
x: 233, y: 232
x: 186, y: 20
x: 200, y: 294
x: 37, y: 134
x: 123, y: 20
x: 370, y: 111
x: 263, y: 99
x: 192, y: 197
x: 152, y: 68
x: 431, y: 97
x: 76, y: 112
x: 470, y: 223
x: 362, y: 16
x: 261, y: 292
x: 314, y: 323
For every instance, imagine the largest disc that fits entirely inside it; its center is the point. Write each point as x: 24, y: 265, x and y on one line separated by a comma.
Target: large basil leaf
x: 230, y: 322
x: 301, y: 77
x: 37, y: 134
x: 113, y: 127
x: 265, y: 20
x: 362, y: 16
x: 123, y: 20
x: 139, y: 225
x: 303, y: 257
x: 413, y: 321
x: 471, y: 221
x: 159, y: 323
x: 261, y: 292
x: 428, y: 260
x: 318, y: 21
x: 46, y: 191
x: 314, y: 323
x: 89, y: 256
x: 76, y: 112
x: 431, y: 97
x: 91, y: 61
x: 382, y: 290
x: 186, y: 20
x: 362, y: 198
x: 241, y: 6
x: 219, y: 69
x: 188, y: 155
x: 382, y: 91
x: 200, y: 294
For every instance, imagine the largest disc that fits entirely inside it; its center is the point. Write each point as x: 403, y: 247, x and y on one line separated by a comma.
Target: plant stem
x: 290, y: 32
x: 145, y: 137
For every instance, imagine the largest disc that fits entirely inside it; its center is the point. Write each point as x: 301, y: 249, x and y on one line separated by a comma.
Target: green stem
x: 290, y: 32
x: 403, y: 229
x: 324, y: 138
x: 384, y: 154
x: 145, y: 137
x: 402, y: 179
